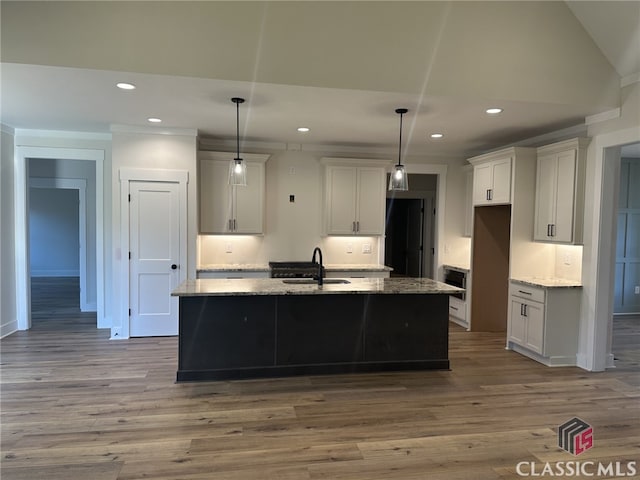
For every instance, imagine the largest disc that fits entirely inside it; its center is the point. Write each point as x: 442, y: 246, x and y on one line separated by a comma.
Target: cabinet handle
x: 548, y: 229
x: 488, y: 196
x: 553, y: 229
x: 524, y: 309
x: 525, y: 293
x: 357, y: 226
x: 353, y: 227
x: 521, y: 310
x: 453, y: 308
x: 230, y: 225
x: 235, y: 225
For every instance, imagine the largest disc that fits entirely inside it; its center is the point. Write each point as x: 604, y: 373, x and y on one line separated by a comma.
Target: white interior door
x: 154, y: 216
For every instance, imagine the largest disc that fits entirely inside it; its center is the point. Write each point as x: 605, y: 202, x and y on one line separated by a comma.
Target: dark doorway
x: 404, y: 241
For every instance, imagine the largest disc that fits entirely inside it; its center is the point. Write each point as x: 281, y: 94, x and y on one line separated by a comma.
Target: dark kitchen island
x: 252, y: 328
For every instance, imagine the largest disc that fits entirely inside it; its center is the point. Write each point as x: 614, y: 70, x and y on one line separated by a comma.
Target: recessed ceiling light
x: 303, y: 129
x: 437, y: 135
x: 154, y: 120
x: 126, y: 86
x: 493, y: 111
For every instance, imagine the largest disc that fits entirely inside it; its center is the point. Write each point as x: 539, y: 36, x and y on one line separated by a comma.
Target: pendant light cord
x: 237, y: 130
x: 401, y: 111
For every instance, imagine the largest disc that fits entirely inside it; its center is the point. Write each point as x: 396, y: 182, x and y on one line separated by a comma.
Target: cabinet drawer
x: 457, y: 308
x: 525, y: 291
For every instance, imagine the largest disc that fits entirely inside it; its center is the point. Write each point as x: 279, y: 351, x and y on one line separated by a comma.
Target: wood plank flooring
x: 76, y: 405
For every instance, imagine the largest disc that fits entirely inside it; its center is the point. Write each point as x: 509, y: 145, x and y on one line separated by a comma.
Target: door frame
x: 80, y: 185
x: 594, y: 351
x: 125, y: 176
x: 21, y: 198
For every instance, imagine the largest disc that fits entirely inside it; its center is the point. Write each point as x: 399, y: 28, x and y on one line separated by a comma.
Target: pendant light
x: 398, y: 179
x: 237, y: 168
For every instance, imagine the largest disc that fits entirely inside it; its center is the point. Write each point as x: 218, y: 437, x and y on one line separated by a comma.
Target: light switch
x: 366, y: 248
x: 229, y: 248
x: 349, y: 247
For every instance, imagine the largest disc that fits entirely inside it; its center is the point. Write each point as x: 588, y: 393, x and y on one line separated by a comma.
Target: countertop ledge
x: 331, y: 267
x: 275, y: 286
x: 459, y: 267
x: 548, y: 282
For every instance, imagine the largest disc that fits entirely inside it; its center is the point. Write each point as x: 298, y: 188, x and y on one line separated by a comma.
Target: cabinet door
x: 215, y: 197
x: 565, y: 197
x: 501, y: 186
x: 482, y: 179
x: 546, y: 180
x: 341, y: 200
x: 371, y: 201
x: 517, y: 325
x: 249, y: 201
x: 534, y: 313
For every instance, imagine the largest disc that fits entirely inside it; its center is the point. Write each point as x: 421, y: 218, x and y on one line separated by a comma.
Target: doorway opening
x: 410, y: 228
x: 626, y: 298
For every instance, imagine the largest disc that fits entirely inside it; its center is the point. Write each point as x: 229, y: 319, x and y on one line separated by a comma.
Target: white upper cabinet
x: 559, y: 195
x: 354, y: 198
x: 492, y: 178
x: 229, y: 209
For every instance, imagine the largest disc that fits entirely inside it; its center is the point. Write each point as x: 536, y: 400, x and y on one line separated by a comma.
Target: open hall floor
x: 76, y: 405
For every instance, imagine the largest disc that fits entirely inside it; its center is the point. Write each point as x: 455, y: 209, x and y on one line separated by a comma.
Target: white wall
x: 292, y: 230
x: 152, y: 151
x: 54, y: 232
x: 8, y: 318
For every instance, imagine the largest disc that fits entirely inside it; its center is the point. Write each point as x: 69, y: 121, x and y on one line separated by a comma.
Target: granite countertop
x: 275, y: 286
x: 457, y: 266
x: 548, y: 282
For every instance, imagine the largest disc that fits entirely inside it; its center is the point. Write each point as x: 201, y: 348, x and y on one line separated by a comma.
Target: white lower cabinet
x: 544, y: 323
x: 458, y: 311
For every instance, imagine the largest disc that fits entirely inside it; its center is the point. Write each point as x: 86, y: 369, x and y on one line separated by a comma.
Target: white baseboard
x: 55, y: 273
x: 89, y: 307
x: 8, y: 328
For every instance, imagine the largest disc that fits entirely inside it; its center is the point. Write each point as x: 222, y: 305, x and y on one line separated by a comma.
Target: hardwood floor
x: 76, y: 405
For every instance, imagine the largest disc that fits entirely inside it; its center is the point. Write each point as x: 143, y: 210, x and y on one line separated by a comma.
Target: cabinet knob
x: 174, y: 266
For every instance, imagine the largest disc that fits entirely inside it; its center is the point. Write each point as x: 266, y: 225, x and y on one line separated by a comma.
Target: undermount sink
x: 310, y: 281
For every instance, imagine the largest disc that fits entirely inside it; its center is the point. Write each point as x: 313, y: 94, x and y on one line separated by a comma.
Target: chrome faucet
x: 313, y: 260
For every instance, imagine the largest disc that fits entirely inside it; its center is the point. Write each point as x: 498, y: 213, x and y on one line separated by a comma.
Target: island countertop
x: 275, y: 286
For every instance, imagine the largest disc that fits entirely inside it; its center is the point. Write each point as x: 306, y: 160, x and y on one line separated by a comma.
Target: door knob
x: 173, y: 266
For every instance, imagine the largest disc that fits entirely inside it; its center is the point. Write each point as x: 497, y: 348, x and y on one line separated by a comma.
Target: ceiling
x: 339, y: 68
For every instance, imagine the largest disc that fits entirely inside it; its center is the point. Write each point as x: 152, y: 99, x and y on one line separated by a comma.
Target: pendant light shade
x: 237, y: 167
x: 398, y: 180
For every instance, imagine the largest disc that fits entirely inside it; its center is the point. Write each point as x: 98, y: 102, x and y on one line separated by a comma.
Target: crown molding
x: 602, y: 116
x: 145, y: 130
x: 24, y: 132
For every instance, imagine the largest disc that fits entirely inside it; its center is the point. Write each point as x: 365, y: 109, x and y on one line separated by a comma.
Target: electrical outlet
x: 637, y: 290
x: 567, y: 259
x: 228, y: 248
x: 349, y: 247
x: 366, y: 248
x: 292, y: 170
